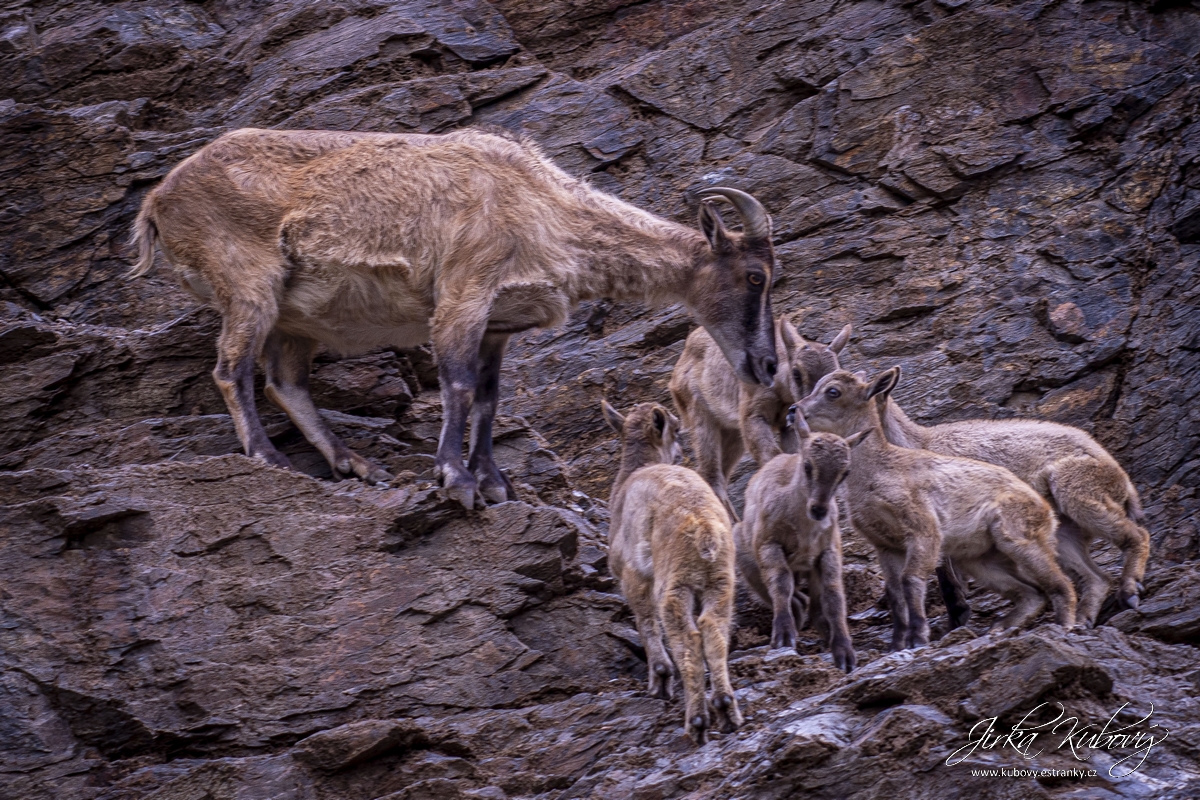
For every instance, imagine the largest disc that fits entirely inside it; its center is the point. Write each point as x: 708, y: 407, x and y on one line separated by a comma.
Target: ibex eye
x: 832, y: 393
x: 755, y: 279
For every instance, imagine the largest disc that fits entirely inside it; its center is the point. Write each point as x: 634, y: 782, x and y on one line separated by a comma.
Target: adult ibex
x: 1085, y: 485
x: 725, y: 415
x: 671, y: 549
x: 362, y: 240
x: 915, y: 507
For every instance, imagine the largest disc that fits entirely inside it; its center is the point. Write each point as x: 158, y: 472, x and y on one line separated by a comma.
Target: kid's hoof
x: 1130, y: 601
x: 352, y: 465
x: 377, y: 476
x: 660, y: 682
x: 728, y: 713
x: 845, y: 660
x: 697, y: 729
x: 274, y: 458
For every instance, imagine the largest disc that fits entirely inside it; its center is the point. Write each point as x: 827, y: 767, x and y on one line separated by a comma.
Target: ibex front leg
x: 458, y: 333
x: 493, y: 484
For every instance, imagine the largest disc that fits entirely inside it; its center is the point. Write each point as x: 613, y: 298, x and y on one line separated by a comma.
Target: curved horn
x: 756, y: 222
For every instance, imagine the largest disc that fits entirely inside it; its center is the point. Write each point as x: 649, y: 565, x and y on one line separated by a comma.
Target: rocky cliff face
x: 1002, y: 197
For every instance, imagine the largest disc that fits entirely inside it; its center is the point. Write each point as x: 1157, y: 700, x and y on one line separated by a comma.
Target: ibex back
x: 361, y: 240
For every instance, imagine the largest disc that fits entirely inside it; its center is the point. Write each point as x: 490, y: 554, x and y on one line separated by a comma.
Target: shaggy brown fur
x: 1086, y: 487
x: 726, y: 416
x: 362, y: 240
x: 914, y: 505
x: 790, y: 532
x: 671, y: 549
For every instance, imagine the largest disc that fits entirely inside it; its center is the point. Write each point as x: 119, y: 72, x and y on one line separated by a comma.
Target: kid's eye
x: 832, y: 393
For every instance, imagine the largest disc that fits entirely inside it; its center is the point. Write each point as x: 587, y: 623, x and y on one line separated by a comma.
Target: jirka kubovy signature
x: 1080, y: 738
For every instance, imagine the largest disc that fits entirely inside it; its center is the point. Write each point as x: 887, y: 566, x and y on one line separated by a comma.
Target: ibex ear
x: 789, y: 335
x: 840, y: 340
x: 855, y: 439
x: 797, y: 422
x: 713, y: 227
x: 884, y: 383
x: 613, y: 417
x: 660, y: 420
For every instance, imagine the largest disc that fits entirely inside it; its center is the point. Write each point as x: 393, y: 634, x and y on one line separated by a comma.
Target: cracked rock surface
x: 1001, y: 197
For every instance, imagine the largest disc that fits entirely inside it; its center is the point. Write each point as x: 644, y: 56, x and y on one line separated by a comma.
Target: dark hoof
x: 459, y: 486
x: 844, y: 659
x: 697, y: 729
x: 728, y: 714
x: 660, y: 682
x: 494, y: 485
x: 783, y: 632
x: 1130, y: 601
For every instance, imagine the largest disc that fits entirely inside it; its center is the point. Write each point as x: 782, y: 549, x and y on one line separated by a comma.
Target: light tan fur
x: 361, y: 240
x: 671, y: 549
x: 915, y: 506
x: 790, y: 533
x: 725, y: 416
x: 1083, y: 483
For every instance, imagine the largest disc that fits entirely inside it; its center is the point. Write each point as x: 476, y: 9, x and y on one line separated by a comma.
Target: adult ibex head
x: 731, y: 293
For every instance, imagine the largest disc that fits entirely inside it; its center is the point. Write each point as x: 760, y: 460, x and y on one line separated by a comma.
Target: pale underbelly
x: 352, y: 329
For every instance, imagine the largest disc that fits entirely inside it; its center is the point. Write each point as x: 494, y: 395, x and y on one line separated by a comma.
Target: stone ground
x: 1002, y: 197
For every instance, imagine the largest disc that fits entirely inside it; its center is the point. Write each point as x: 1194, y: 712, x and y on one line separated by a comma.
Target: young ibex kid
x: 725, y: 415
x: 671, y: 549
x: 1085, y: 485
x: 914, y: 506
x: 790, y: 530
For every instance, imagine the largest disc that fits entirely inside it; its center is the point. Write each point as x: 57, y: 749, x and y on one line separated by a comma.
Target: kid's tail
x: 1133, y: 505
x: 145, y: 235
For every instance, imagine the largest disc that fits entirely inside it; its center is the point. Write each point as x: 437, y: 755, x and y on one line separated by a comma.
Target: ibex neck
x: 623, y: 253
x: 899, y: 429
x: 634, y: 456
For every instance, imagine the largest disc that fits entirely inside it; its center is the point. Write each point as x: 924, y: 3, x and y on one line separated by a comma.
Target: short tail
x: 145, y: 236
x: 709, y: 538
x: 1133, y: 505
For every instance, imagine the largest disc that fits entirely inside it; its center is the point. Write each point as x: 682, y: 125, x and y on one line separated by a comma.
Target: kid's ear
x: 797, y: 422
x: 855, y: 439
x: 613, y: 417
x: 884, y: 383
x: 790, y: 336
x: 713, y: 227
x: 660, y: 421
x: 840, y: 340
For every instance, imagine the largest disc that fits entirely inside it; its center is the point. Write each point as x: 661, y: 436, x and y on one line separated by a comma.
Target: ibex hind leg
x: 687, y: 647
x: 638, y: 594
x: 245, y: 326
x: 1073, y: 546
x: 288, y: 361
x: 994, y: 572
x: 1030, y: 549
x: 1094, y: 496
x: 714, y: 622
